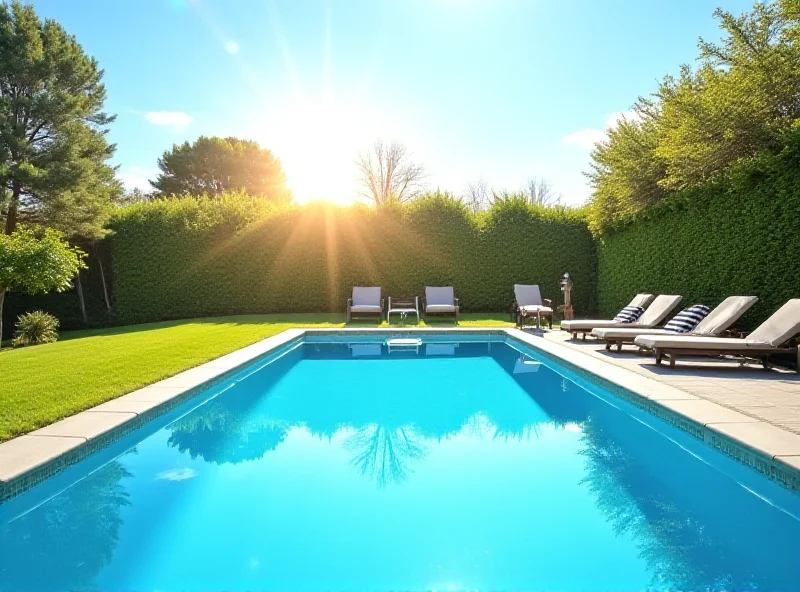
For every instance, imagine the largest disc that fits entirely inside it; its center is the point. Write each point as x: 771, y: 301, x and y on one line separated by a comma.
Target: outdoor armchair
x: 440, y: 300
x: 529, y: 303
x: 365, y: 301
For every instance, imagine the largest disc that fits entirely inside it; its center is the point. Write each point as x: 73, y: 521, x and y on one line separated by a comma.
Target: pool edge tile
x: 24, y: 454
x: 121, y: 423
x: 716, y: 434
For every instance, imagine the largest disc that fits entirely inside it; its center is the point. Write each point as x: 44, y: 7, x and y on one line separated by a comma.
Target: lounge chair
x: 768, y: 339
x: 717, y: 321
x: 651, y: 317
x: 586, y: 325
x: 440, y: 301
x: 365, y: 301
x: 529, y: 303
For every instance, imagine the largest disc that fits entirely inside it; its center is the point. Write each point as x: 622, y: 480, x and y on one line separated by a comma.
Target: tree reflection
x: 221, y: 433
x: 687, y: 534
x: 74, y: 534
x: 383, y: 454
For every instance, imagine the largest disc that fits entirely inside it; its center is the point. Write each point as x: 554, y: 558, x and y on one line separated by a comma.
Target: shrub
x: 735, y: 236
x: 188, y: 257
x: 35, y: 328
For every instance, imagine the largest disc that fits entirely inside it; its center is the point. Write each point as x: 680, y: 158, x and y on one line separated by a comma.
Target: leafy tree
x: 53, y: 147
x: 36, y: 263
x: 211, y: 166
x: 625, y: 171
x: 743, y: 98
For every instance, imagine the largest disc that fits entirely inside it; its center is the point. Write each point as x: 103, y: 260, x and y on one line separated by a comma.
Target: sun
x: 317, y: 145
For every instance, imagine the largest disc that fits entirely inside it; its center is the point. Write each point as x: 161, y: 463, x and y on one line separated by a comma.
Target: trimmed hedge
x: 738, y: 236
x: 194, y: 257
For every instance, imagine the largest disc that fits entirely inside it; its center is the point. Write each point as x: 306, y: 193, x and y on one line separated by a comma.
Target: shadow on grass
x: 297, y: 319
x: 254, y: 319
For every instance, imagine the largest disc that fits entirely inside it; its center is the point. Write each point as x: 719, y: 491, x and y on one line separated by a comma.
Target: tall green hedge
x: 189, y: 257
x: 737, y: 236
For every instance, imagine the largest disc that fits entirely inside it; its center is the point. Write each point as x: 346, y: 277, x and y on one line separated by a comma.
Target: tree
x: 134, y: 196
x: 626, y: 172
x: 36, y: 263
x: 478, y: 195
x: 541, y: 193
x: 211, y: 166
x: 53, y: 147
x: 388, y: 176
x: 742, y: 99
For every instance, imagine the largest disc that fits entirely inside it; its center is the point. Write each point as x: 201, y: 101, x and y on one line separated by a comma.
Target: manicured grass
x: 42, y: 384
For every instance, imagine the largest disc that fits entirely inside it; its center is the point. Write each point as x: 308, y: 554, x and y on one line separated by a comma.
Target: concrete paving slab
x: 154, y: 394
x: 87, y: 424
x: 705, y: 412
x: 768, y: 439
x: 123, y: 405
x: 25, y: 453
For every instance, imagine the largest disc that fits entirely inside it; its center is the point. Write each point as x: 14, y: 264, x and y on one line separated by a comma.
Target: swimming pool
x: 454, y: 464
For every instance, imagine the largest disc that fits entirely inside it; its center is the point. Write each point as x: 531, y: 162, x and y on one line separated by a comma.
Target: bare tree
x: 541, y: 193
x: 478, y: 195
x: 388, y: 175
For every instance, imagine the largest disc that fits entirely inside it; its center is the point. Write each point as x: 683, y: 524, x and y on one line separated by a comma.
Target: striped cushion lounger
x: 714, y: 324
x: 770, y: 338
x: 651, y: 317
x: 585, y: 326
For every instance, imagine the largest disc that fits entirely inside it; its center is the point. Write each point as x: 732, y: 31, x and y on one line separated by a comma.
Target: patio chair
x: 529, y: 303
x: 365, y: 301
x: 440, y: 300
x: 585, y: 326
x: 715, y: 324
x: 770, y: 338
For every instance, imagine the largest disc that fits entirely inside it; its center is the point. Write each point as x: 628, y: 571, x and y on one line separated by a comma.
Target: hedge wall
x: 187, y: 257
x: 738, y: 236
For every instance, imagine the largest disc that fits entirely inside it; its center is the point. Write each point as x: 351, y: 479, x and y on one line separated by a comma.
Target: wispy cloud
x: 232, y: 47
x: 176, y: 120
x: 587, y: 138
x: 134, y: 177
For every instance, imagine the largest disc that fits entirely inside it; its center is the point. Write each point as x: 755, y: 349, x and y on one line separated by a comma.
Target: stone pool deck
x: 750, y: 414
x: 771, y: 396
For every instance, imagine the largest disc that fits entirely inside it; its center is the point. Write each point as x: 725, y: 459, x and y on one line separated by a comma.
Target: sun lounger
x: 365, y: 301
x: 768, y: 339
x: 529, y: 303
x: 651, y: 317
x: 585, y: 326
x: 440, y: 300
x: 717, y: 321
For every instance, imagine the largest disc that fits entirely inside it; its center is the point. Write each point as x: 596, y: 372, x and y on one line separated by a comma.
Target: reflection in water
x: 639, y: 487
x: 384, y: 454
x: 68, y: 553
x: 686, y: 542
x: 224, y: 434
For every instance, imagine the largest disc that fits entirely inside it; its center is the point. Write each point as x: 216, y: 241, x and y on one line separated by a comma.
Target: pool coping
x: 27, y: 460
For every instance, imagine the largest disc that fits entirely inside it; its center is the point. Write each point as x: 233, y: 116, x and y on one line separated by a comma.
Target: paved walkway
x: 772, y: 396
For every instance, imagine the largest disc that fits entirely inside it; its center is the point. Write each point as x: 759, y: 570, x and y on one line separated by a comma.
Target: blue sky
x: 501, y: 90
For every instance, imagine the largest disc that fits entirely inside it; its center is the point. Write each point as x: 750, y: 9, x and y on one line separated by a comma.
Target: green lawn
x: 45, y: 383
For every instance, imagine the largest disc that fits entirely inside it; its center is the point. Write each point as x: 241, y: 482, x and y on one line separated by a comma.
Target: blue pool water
x: 468, y: 466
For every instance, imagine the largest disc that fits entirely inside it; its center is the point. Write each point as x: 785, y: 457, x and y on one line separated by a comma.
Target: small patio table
x: 403, y: 305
